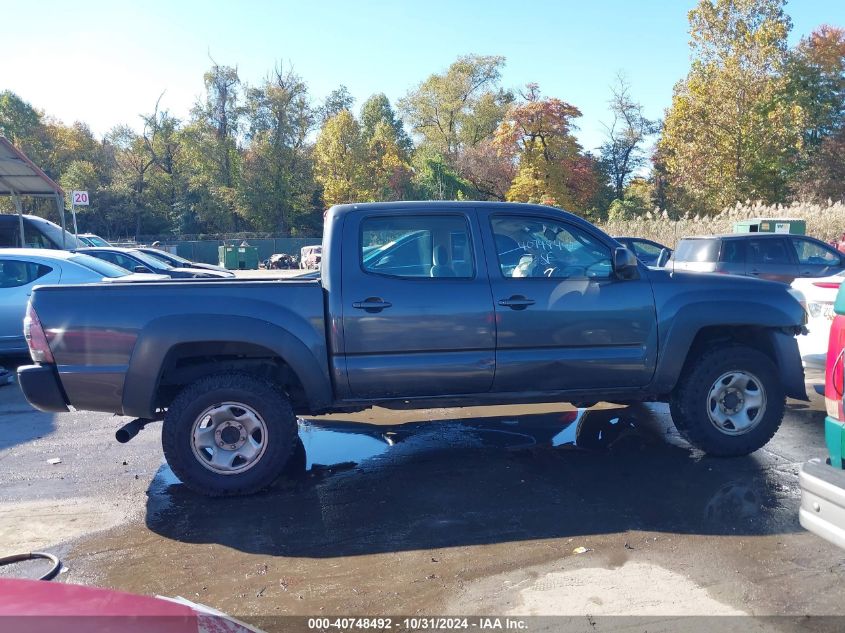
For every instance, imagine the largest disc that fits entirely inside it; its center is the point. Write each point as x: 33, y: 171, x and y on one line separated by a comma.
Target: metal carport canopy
x: 19, y: 176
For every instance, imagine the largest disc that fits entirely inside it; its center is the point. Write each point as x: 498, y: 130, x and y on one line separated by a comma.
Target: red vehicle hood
x: 30, y: 606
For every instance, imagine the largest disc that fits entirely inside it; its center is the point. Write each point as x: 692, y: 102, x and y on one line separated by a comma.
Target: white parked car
x: 819, y: 296
x: 21, y: 269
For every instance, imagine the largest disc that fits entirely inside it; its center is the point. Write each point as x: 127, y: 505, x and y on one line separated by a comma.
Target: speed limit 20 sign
x: 79, y: 198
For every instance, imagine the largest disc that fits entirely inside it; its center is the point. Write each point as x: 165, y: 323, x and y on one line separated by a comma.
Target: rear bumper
x: 823, y: 501
x: 40, y: 384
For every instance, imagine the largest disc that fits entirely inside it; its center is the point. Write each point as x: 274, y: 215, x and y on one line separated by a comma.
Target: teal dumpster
x: 247, y: 257
x: 228, y: 257
x: 771, y: 225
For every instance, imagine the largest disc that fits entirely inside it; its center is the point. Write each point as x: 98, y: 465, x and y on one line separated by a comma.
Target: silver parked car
x: 21, y: 269
x: 772, y: 256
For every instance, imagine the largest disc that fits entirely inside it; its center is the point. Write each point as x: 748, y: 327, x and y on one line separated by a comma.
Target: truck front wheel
x: 729, y: 401
x: 229, y: 434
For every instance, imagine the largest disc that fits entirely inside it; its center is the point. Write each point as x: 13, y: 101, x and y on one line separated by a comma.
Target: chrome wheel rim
x: 229, y: 438
x: 736, y: 402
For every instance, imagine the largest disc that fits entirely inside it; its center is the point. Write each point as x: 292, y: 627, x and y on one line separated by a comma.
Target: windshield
x: 95, y: 240
x: 54, y: 233
x: 106, y: 269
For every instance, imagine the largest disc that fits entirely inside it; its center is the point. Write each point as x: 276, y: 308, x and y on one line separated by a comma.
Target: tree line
x: 753, y: 120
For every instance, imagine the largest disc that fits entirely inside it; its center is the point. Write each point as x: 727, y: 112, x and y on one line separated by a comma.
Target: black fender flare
x: 160, y: 336
x: 686, y: 323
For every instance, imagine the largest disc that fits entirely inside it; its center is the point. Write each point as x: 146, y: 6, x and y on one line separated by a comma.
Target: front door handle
x: 516, y: 302
x: 372, y: 304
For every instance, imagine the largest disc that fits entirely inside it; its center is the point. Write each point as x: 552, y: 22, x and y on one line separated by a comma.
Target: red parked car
x: 33, y: 606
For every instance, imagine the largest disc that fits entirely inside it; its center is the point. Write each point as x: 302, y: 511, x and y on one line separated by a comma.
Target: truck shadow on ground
x: 358, y: 489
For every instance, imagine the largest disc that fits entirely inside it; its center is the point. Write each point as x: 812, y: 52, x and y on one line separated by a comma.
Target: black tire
x: 264, y: 398
x: 690, y: 401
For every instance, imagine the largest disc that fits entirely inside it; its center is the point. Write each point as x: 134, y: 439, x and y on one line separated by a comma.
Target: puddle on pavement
x: 326, y: 447
x: 356, y: 488
x: 330, y: 446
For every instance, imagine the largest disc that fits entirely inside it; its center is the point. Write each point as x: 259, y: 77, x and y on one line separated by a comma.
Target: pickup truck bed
x: 111, y: 358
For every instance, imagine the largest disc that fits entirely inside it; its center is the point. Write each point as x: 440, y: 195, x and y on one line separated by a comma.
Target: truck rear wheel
x: 728, y: 402
x: 229, y: 434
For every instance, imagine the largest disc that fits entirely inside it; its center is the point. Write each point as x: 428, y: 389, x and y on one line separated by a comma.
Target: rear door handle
x: 516, y: 302
x: 372, y: 304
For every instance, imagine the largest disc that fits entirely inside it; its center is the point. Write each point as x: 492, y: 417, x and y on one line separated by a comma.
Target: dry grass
x: 825, y: 222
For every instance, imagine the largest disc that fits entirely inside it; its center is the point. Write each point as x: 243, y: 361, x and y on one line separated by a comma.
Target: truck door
x: 564, y: 321
x: 417, y: 309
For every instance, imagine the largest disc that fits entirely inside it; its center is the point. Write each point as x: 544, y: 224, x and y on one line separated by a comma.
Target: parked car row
x: 86, y: 259
x: 21, y: 269
x: 182, y: 263
x: 143, y: 260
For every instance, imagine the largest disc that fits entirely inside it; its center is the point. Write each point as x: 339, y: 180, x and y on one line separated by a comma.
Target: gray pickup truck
x: 417, y: 304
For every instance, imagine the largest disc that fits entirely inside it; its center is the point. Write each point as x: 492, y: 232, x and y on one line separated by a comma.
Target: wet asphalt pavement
x: 452, y: 511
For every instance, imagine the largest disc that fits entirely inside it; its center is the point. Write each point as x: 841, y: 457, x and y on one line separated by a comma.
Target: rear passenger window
x: 15, y: 273
x: 417, y: 246
x: 733, y: 252
x: 768, y: 251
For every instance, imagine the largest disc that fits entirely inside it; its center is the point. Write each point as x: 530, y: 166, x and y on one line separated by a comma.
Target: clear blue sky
x: 106, y: 61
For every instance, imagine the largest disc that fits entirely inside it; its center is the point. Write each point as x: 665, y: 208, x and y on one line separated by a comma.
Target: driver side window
x: 542, y: 247
x: 811, y: 253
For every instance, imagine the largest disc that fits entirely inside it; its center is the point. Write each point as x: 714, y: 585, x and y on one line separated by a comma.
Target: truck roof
x: 338, y: 211
x: 423, y: 205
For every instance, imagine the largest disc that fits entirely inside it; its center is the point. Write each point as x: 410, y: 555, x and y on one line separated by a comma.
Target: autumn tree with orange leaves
x: 537, y: 133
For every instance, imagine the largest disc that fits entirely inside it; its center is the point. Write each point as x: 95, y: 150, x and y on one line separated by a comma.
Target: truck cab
x: 494, y: 300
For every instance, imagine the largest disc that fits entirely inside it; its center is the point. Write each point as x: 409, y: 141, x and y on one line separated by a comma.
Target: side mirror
x: 663, y: 257
x: 142, y: 269
x: 625, y: 263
